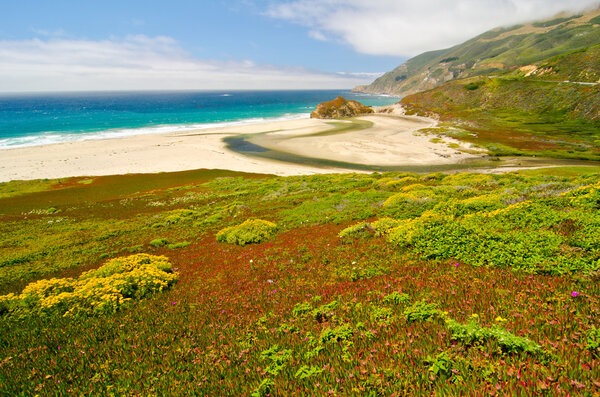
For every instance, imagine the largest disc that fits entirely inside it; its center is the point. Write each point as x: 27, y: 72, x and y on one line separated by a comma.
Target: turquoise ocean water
x: 40, y: 119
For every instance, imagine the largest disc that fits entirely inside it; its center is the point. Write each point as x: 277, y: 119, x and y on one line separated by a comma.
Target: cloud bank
x: 409, y: 27
x: 143, y: 63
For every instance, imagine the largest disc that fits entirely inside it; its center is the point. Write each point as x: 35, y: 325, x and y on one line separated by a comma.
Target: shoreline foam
x: 54, y: 137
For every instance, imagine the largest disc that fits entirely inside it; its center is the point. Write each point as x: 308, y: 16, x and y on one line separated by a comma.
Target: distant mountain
x: 496, y: 52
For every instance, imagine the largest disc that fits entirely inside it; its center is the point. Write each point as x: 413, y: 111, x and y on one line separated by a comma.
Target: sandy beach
x: 390, y: 141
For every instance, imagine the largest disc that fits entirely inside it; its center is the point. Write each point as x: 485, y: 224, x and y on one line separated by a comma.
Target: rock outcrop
x: 340, y: 108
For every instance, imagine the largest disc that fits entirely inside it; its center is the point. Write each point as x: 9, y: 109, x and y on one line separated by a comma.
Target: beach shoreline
x: 391, y: 140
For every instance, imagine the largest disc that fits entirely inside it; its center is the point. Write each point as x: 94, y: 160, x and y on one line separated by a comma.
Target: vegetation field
x: 220, y: 283
x: 517, y: 116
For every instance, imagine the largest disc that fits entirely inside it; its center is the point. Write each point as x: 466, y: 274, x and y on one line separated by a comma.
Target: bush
x: 382, y: 226
x: 592, y: 341
x: 159, y: 242
x: 251, y: 231
x: 473, y: 333
x: 181, y: 244
x: 396, y: 298
x: 422, y: 311
x: 401, y: 182
x: 100, y: 291
x: 355, y: 230
x: 473, y: 86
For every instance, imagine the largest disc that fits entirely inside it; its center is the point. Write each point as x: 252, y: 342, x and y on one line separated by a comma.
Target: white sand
x: 391, y: 141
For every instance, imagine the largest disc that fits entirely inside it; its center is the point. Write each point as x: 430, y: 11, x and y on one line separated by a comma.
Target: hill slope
x: 372, y: 284
x: 498, y: 51
x: 533, y: 110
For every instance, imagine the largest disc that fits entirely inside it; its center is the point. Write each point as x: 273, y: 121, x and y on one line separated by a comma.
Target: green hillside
x: 498, y: 51
x: 550, y: 110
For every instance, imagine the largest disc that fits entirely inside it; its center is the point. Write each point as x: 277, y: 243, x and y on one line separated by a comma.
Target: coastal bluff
x: 340, y: 108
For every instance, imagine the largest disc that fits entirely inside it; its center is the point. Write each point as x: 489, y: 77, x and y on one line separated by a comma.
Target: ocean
x: 40, y: 119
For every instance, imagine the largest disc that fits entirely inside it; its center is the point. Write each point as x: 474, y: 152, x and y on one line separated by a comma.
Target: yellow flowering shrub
x: 251, y: 231
x: 586, y: 196
x: 100, y: 291
x: 382, y: 226
x: 483, y: 203
x: 408, y: 196
x: 468, y: 179
x: 415, y: 187
x: 128, y: 264
x: 405, y: 232
x: 384, y: 181
x: 511, y: 209
x: 402, y: 181
x: 176, y: 216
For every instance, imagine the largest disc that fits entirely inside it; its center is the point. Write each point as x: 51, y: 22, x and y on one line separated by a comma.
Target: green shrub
x: 302, y: 308
x: 384, y: 225
x: 442, y: 365
x: 592, y: 340
x: 473, y: 333
x: 181, y: 244
x: 355, y: 230
x: 180, y: 215
x: 394, y: 183
x: 474, y: 85
x: 324, y: 312
x: 159, y: 242
x: 381, y: 314
x: 339, y: 334
x: 306, y: 372
x: 177, y: 216
x: 264, y: 389
x: 249, y: 232
x: 396, y: 298
x: 422, y: 311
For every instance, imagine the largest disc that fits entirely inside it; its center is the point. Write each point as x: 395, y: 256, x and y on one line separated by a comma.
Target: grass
x: 517, y: 116
x: 307, y: 312
x: 18, y: 188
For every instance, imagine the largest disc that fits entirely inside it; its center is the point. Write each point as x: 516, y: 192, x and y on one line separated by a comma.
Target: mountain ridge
x: 495, y: 52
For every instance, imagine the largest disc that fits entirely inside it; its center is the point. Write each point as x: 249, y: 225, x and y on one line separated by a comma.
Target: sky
x: 66, y: 45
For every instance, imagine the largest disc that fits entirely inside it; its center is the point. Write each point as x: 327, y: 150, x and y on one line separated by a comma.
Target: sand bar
x: 390, y: 141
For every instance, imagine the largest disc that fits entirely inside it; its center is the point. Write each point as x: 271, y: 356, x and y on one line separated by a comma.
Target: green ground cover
x: 373, y: 284
x: 517, y: 116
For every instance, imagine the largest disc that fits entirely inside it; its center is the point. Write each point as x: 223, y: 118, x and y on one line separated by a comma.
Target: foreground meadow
x: 381, y: 284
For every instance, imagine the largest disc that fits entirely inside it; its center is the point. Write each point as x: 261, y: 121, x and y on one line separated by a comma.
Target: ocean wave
x: 52, y: 137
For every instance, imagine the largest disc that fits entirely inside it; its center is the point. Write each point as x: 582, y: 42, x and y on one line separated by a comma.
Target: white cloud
x: 51, y: 33
x: 409, y: 27
x: 317, y: 35
x: 141, y: 62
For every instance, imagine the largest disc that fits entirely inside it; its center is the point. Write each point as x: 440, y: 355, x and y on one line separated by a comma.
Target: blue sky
x: 179, y: 44
x: 213, y: 29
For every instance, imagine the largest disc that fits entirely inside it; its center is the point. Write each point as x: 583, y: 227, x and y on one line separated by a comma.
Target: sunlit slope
x: 495, y: 52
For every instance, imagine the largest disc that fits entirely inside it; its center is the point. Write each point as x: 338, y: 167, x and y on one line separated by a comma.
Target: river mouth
x: 248, y: 145
x: 241, y: 144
